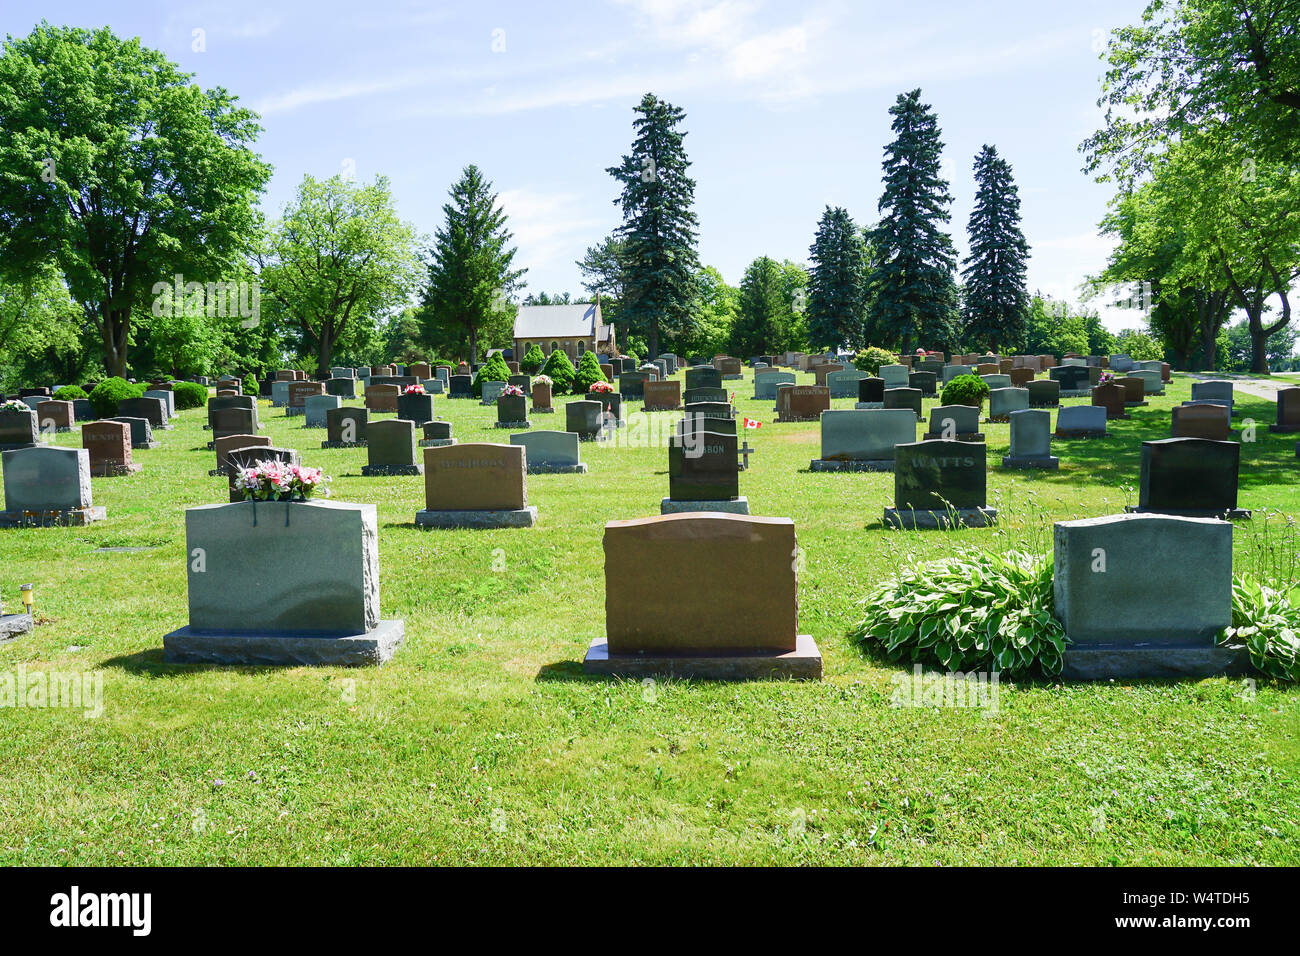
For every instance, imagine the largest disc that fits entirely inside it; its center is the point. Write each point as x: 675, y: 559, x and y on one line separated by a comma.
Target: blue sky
x: 786, y: 106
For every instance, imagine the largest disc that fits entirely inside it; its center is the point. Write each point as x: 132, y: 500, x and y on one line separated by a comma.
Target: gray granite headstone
x: 317, y: 407
x: 141, y: 431
x: 46, y: 479
x: 391, y: 448
x: 865, y: 434
x: 549, y: 450
x: 1004, y: 401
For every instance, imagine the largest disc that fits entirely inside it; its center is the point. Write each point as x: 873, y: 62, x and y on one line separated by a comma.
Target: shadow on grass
x: 150, y: 663
x: 564, y: 672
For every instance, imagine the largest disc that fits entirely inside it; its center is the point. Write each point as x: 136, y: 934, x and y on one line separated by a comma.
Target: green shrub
x: 190, y: 395
x: 870, y: 360
x: 1268, y: 624
x: 965, y: 390
x: 250, y: 385
x: 69, y: 393
x: 969, y: 612
x: 561, y: 371
x: 493, y: 370
x: 533, y: 360
x: 587, y: 374
x: 109, y: 392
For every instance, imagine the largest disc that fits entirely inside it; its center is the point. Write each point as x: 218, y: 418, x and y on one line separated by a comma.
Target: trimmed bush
x: 190, y: 395
x: 965, y: 390
x: 870, y: 360
x: 976, y: 611
x: 561, y: 371
x: 493, y: 370
x: 587, y: 374
x: 251, y: 386
x: 109, y: 392
x: 69, y: 393
x: 533, y: 359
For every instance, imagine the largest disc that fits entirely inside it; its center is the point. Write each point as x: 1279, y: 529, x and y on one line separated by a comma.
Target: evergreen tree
x: 469, y: 273
x: 996, y: 299
x: 763, y: 306
x: 836, y: 283
x: 915, y: 296
x: 658, y: 231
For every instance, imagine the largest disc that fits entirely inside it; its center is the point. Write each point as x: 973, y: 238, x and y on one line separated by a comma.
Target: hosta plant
x: 1268, y: 624
x: 969, y: 612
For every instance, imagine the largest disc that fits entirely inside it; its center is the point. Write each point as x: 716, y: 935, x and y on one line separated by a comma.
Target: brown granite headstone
x: 299, y: 392
x: 1111, y: 397
x: 228, y: 443
x: 988, y: 368
x: 54, y: 414
x: 382, y: 398
x: 1288, y: 410
x: 663, y: 396
x: 663, y: 592
x: 1134, y: 389
x: 1202, y: 421
x: 821, y: 371
x: 109, y: 447
x: 541, y: 394
x: 420, y: 370
x: 476, y: 476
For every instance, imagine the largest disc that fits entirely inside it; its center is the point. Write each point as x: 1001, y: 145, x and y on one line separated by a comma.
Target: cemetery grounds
x: 482, y: 742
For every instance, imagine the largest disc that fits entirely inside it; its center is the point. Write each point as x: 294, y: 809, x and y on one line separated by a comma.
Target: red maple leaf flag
x: 750, y: 423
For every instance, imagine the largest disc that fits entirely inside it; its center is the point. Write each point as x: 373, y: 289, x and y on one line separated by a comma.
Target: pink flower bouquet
x: 277, y: 481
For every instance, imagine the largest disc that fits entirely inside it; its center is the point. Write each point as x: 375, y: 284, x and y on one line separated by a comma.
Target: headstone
x: 863, y: 439
x: 926, y: 382
x: 541, y: 395
x: 109, y: 446
x: 390, y: 448
x: 55, y: 416
x: 420, y: 370
x: 940, y: 484
x: 235, y: 420
x: 802, y: 403
x: 152, y: 409
x: 512, y: 412
x: 476, y: 485
x: 227, y: 444
x: 280, y: 394
x: 904, y: 398
x: 952, y: 371
x: 997, y: 381
x: 954, y: 423
x: 437, y: 434
x: 523, y: 382
x: 166, y: 396
x: 321, y: 604
x: 1020, y: 377
x: 1121, y: 363
x: 47, y: 486
x: 383, y: 398
x: 415, y: 408
x: 1288, y: 411
x: 299, y: 392
x: 1144, y: 596
x: 460, y: 386
x: 766, y: 382
x: 1044, y: 393
x: 248, y: 456
x: 1193, y: 477
x: 1081, y: 421
x: 663, y: 396
x: 584, y: 418
x: 1213, y: 391
x: 1152, y: 384
x: 703, y: 473
x: 663, y: 573
x: 1134, y: 389
x: 632, y: 383
x: 141, y: 431
x: 705, y: 394
x: 1031, y: 440
x: 341, y: 387
x: 491, y: 392
x: 1110, y: 397
x: 1074, y: 379
x: 729, y: 368
x: 1201, y: 421
x: 316, y: 408
x: 703, y: 376
x: 871, y: 393
x: 844, y: 383
x: 550, y: 452
x: 895, y: 376
x: 821, y: 371
x: 346, y: 427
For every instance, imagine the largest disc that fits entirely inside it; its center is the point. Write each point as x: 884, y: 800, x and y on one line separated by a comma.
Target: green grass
x: 481, y: 741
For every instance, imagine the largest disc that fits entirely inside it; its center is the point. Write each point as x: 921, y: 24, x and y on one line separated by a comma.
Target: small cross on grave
x: 746, y: 451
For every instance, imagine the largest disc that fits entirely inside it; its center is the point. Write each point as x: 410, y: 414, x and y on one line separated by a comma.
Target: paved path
x: 1259, y: 387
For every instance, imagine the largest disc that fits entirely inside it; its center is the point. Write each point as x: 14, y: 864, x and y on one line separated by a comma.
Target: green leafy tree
x: 471, y: 275
x: 837, y: 283
x: 659, y: 226
x: 603, y: 276
x: 994, y: 295
x: 338, y: 261
x: 122, y: 172
x: 914, y: 294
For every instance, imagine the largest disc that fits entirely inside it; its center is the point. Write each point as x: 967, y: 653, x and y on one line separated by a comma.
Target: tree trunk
x: 324, y: 353
x: 473, y: 346
x: 653, y: 341
x: 115, y: 332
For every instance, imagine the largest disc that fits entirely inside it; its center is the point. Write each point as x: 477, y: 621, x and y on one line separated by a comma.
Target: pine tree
x: 836, y: 283
x: 762, y: 308
x: 996, y: 299
x: 915, y: 297
x: 469, y: 275
x: 658, y: 231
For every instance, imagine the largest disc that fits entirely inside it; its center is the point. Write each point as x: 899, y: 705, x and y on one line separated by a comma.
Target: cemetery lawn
x: 482, y: 742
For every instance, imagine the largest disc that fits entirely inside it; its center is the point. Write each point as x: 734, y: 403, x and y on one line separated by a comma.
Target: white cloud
x: 550, y: 228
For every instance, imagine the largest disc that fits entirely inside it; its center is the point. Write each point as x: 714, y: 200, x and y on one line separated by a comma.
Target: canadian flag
x: 750, y: 423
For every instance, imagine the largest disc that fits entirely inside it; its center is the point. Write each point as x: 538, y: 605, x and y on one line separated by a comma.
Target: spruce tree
x: 762, y: 308
x: 658, y: 232
x: 996, y: 299
x: 915, y: 297
x: 836, y: 282
x: 470, y: 274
